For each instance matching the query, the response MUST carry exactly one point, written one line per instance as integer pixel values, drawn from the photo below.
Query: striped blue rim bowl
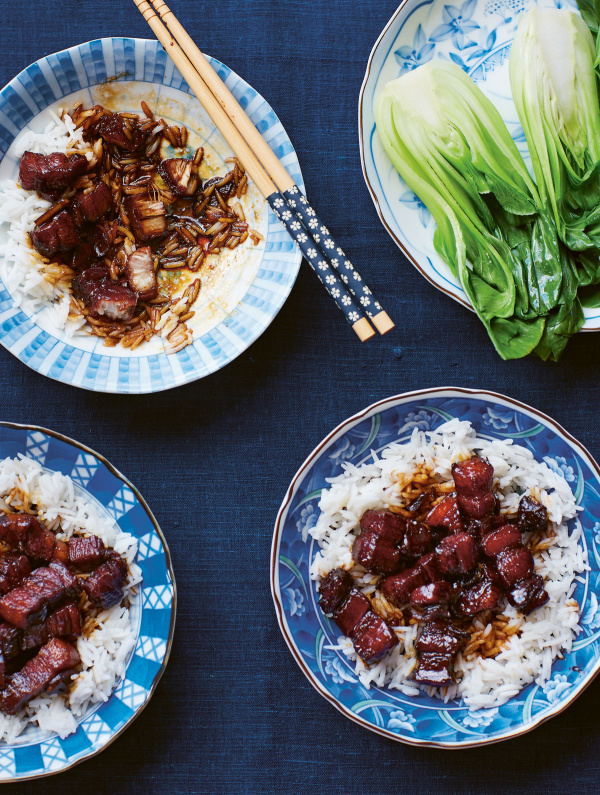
(36, 753)
(229, 316)
(311, 636)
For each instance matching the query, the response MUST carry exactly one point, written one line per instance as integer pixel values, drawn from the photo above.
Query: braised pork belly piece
(65, 621)
(25, 533)
(53, 665)
(13, 570)
(457, 559)
(104, 297)
(140, 274)
(56, 236)
(30, 602)
(105, 585)
(86, 552)
(50, 173)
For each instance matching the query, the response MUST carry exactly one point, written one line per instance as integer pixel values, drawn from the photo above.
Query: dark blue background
(233, 713)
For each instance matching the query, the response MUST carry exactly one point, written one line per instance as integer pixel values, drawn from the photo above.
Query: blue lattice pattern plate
(236, 303)
(36, 753)
(477, 36)
(424, 720)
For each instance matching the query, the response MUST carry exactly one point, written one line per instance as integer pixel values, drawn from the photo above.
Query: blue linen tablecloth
(233, 713)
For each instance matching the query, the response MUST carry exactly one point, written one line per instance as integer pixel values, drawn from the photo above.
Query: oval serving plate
(36, 753)
(424, 720)
(476, 35)
(237, 301)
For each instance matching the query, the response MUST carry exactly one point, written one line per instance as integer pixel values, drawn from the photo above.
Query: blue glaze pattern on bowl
(224, 326)
(477, 36)
(36, 753)
(424, 720)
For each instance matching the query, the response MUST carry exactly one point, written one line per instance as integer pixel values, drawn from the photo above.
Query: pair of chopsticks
(333, 268)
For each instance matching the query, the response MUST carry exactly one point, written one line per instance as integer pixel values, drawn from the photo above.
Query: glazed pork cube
(473, 479)
(86, 553)
(513, 565)
(434, 670)
(10, 641)
(30, 602)
(179, 175)
(446, 514)
(398, 587)
(93, 205)
(352, 611)
(147, 216)
(386, 524)
(428, 566)
(27, 534)
(440, 637)
(58, 234)
(528, 594)
(105, 585)
(457, 554)
(13, 569)
(418, 539)
(115, 130)
(82, 257)
(485, 595)
(532, 515)
(372, 638)
(62, 622)
(105, 298)
(334, 590)
(54, 663)
(505, 537)
(434, 593)
(50, 172)
(140, 274)
(376, 553)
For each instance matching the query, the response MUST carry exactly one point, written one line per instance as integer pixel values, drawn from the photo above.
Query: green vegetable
(555, 92)
(590, 11)
(452, 148)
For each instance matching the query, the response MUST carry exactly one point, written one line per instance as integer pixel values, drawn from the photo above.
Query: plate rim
(169, 564)
(361, 146)
(274, 577)
(244, 344)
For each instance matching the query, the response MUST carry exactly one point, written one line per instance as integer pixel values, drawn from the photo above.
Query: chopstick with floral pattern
(272, 180)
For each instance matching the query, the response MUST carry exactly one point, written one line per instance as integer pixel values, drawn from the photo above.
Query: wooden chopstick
(334, 285)
(381, 320)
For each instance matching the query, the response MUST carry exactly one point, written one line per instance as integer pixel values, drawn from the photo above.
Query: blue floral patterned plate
(424, 720)
(476, 35)
(236, 302)
(36, 753)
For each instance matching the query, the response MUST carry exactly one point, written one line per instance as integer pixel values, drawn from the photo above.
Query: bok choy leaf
(555, 92)
(451, 147)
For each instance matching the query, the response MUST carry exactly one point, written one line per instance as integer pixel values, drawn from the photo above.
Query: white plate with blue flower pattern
(476, 35)
(312, 637)
(233, 310)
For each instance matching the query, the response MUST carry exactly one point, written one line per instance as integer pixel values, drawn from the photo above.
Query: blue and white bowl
(424, 720)
(36, 753)
(476, 35)
(230, 314)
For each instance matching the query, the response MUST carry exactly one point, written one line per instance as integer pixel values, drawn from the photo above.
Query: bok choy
(554, 88)
(452, 148)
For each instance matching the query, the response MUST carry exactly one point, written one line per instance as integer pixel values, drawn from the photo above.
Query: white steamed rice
(105, 652)
(544, 634)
